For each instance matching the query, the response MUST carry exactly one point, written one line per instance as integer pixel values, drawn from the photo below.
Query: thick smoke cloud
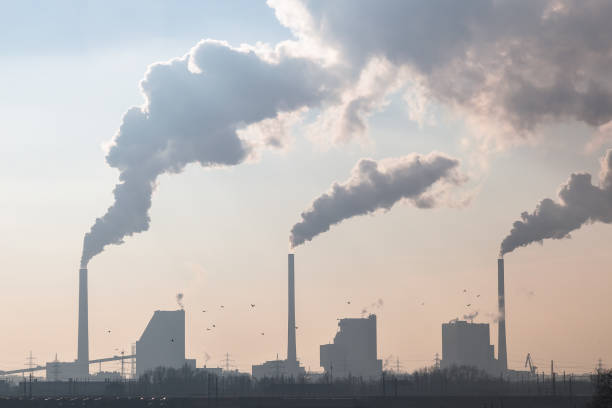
(194, 107)
(580, 202)
(374, 186)
(517, 64)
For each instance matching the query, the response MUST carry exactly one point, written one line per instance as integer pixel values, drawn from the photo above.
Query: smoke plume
(374, 186)
(470, 316)
(579, 203)
(179, 300)
(194, 107)
(512, 63)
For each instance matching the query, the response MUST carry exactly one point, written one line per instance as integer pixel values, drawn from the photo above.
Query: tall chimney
(83, 351)
(502, 355)
(291, 353)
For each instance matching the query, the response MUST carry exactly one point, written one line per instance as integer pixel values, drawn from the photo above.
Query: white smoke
(514, 64)
(580, 202)
(470, 316)
(194, 107)
(377, 186)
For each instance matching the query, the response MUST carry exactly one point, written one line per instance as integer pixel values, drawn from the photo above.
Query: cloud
(516, 64)
(579, 202)
(194, 108)
(377, 186)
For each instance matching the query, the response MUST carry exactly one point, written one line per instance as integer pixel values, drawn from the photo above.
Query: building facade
(467, 344)
(162, 343)
(354, 350)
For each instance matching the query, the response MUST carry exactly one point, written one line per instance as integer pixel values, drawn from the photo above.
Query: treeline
(189, 382)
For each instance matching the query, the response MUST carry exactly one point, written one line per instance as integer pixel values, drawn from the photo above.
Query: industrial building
(468, 344)
(163, 342)
(354, 350)
(291, 366)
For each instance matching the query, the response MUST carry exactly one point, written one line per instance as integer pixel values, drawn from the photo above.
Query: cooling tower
(291, 352)
(83, 340)
(502, 355)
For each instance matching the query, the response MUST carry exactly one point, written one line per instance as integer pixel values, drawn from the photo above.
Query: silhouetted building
(63, 371)
(162, 343)
(468, 344)
(353, 352)
(277, 369)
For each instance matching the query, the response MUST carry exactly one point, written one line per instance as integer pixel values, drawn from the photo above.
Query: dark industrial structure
(353, 352)
(291, 366)
(162, 344)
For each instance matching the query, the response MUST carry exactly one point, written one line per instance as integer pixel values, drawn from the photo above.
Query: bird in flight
(464, 290)
(208, 329)
(214, 325)
(172, 340)
(252, 304)
(348, 302)
(203, 311)
(221, 306)
(262, 333)
(108, 331)
(477, 295)
(469, 304)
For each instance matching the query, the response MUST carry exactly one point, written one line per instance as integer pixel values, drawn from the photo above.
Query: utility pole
(552, 376)
(122, 354)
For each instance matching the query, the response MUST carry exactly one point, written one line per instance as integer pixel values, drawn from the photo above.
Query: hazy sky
(69, 70)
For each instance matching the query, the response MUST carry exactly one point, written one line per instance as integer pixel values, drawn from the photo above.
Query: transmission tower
(30, 361)
(227, 362)
(437, 361)
(599, 365)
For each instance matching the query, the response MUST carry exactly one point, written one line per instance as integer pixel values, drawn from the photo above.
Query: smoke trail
(194, 107)
(179, 300)
(580, 202)
(373, 186)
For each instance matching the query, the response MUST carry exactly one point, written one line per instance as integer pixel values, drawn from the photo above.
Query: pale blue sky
(69, 71)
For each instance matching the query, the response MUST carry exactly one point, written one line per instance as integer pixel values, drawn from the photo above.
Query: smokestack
(291, 353)
(83, 351)
(502, 355)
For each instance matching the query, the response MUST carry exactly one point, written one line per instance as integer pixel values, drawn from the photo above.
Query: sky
(305, 91)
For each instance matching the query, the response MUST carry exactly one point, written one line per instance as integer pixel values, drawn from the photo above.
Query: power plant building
(354, 351)
(467, 344)
(162, 343)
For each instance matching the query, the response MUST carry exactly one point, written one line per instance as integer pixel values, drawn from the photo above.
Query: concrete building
(64, 371)
(354, 351)
(276, 369)
(291, 366)
(162, 343)
(467, 344)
